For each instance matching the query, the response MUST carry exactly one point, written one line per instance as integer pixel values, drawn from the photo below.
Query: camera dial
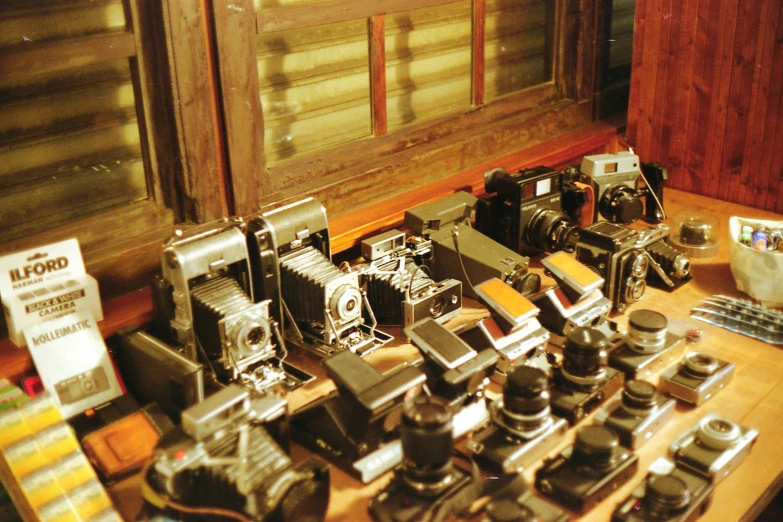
(639, 397)
(620, 204)
(427, 443)
(526, 399)
(584, 356)
(700, 365)
(595, 447)
(647, 331)
(718, 434)
(665, 496)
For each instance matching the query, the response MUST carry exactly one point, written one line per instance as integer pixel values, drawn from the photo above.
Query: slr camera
(636, 414)
(618, 195)
(399, 290)
(696, 378)
(289, 249)
(669, 493)
(205, 297)
(713, 448)
(588, 471)
(461, 252)
(427, 482)
(530, 210)
(522, 429)
(82, 386)
(356, 426)
(225, 457)
(583, 380)
(623, 258)
(647, 345)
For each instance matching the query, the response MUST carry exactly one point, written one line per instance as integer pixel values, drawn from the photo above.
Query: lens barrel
(427, 440)
(665, 496)
(639, 397)
(584, 355)
(621, 204)
(647, 331)
(595, 447)
(526, 398)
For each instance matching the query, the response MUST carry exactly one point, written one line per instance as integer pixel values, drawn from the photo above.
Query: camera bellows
(386, 290)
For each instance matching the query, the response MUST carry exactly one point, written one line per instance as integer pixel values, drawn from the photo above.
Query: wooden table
(754, 398)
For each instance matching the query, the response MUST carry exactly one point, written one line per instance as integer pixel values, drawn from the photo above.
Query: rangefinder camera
(669, 493)
(400, 291)
(529, 212)
(696, 378)
(323, 305)
(714, 447)
(647, 347)
(615, 181)
(81, 386)
(636, 413)
(225, 457)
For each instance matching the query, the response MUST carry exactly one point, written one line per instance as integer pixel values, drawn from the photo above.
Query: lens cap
(666, 494)
(526, 390)
(586, 339)
(639, 394)
(595, 446)
(647, 321)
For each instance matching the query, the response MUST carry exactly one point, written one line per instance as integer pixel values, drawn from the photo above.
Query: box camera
(353, 426)
(588, 471)
(636, 414)
(714, 447)
(522, 429)
(427, 481)
(81, 386)
(696, 378)
(530, 210)
(224, 457)
(399, 290)
(206, 298)
(668, 493)
(289, 249)
(623, 258)
(462, 252)
(647, 347)
(511, 330)
(583, 381)
(615, 181)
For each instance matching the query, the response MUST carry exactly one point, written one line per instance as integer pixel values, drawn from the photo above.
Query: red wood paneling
(707, 96)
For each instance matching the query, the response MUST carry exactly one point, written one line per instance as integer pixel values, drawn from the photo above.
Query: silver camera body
(400, 291)
(647, 346)
(289, 248)
(696, 378)
(609, 170)
(714, 447)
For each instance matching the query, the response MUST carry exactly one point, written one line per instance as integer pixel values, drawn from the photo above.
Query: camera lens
(639, 396)
(620, 204)
(526, 398)
(551, 231)
(665, 495)
(427, 442)
(249, 335)
(718, 433)
(584, 355)
(634, 289)
(595, 446)
(346, 303)
(436, 307)
(700, 364)
(640, 265)
(647, 330)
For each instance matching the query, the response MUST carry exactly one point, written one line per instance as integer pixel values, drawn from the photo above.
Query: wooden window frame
(362, 172)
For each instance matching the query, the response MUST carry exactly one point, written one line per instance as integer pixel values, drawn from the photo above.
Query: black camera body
(669, 493)
(647, 347)
(588, 471)
(696, 378)
(583, 381)
(530, 211)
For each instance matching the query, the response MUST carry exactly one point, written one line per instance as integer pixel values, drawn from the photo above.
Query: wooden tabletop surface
(754, 398)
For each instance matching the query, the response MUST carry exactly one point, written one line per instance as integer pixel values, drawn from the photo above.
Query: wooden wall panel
(707, 96)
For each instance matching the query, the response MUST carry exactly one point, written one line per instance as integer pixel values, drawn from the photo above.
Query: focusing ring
(700, 364)
(718, 433)
(639, 397)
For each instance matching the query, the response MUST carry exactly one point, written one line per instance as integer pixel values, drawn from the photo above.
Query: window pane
(621, 39)
(69, 140)
(428, 62)
(315, 87)
(519, 45)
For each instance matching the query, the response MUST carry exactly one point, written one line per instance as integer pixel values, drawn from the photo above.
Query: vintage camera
(588, 471)
(462, 252)
(615, 181)
(583, 381)
(647, 347)
(522, 429)
(714, 447)
(621, 256)
(524, 508)
(696, 378)
(206, 298)
(86, 384)
(399, 290)
(511, 330)
(224, 456)
(636, 414)
(355, 426)
(576, 300)
(290, 253)
(669, 493)
(427, 478)
(455, 372)
(530, 210)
